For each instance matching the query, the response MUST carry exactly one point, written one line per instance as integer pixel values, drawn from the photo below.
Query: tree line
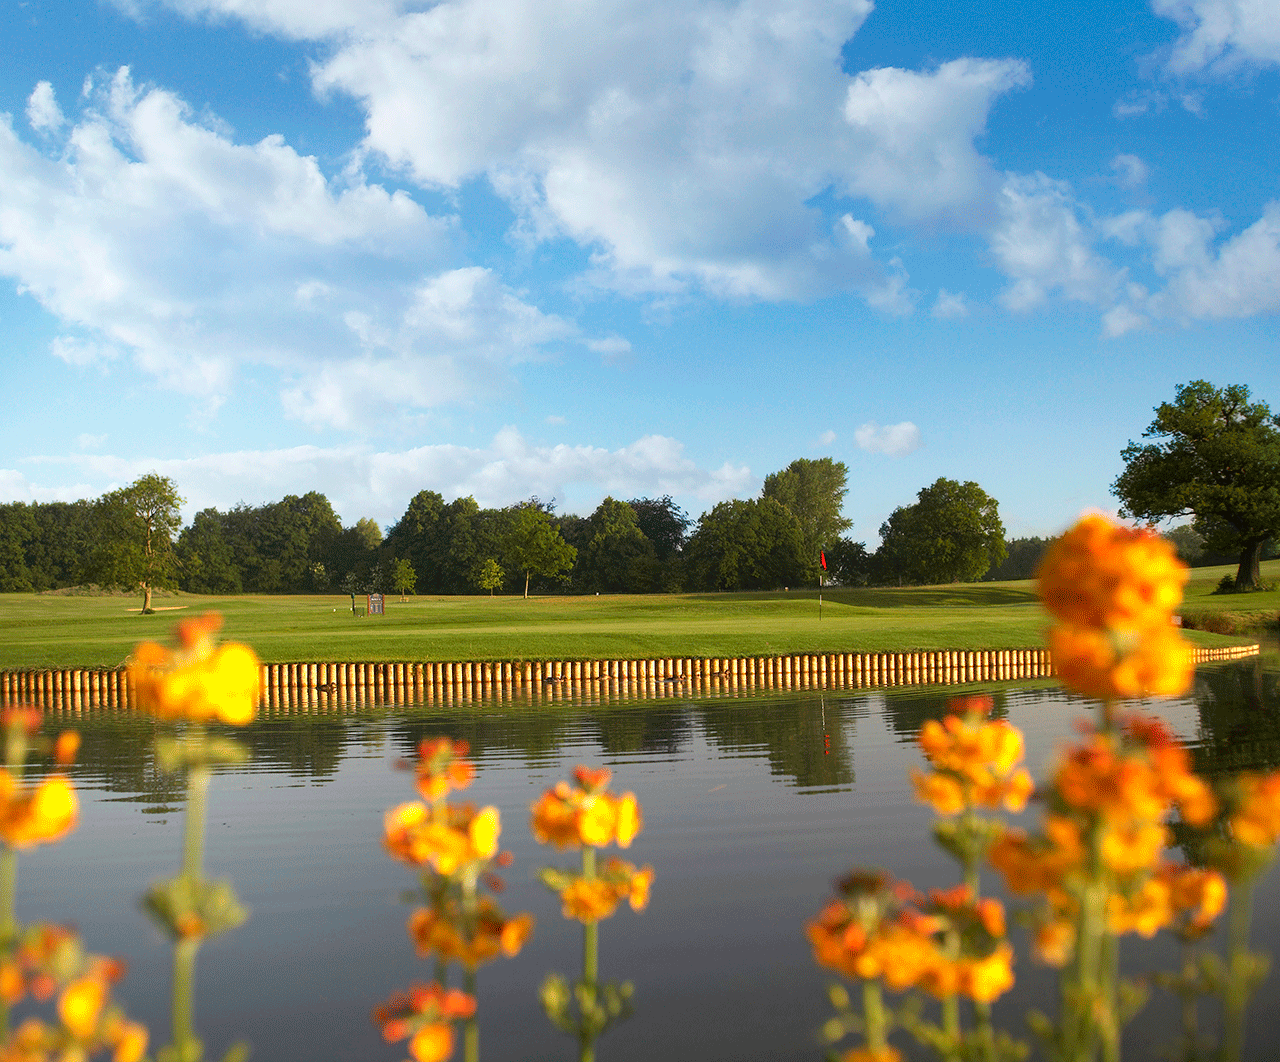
(1219, 462)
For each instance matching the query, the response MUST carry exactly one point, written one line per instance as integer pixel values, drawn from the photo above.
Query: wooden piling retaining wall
(330, 685)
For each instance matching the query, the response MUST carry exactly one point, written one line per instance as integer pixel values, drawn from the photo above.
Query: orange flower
(438, 931)
(986, 979)
(130, 1042)
(197, 681)
(1256, 822)
(973, 761)
(867, 1054)
(1101, 663)
(66, 747)
(432, 1043)
(443, 768)
(36, 817)
(457, 837)
(589, 900)
(569, 817)
(1102, 575)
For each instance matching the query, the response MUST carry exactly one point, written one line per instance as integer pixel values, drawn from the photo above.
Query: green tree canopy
(616, 556)
(1219, 461)
(208, 561)
(534, 545)
(136, 527)
(403, 577)
(951, 534)
(747, 545)
(813, 492)
(489, 577)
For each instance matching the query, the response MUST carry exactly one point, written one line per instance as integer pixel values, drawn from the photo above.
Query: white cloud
(76, 351)
(42, 109)
(913, 144)
(949, 305)
(1041, 244)
(1221, 35)
(896, 440)
(360, 481)
(1130, 170)
(612, 349)
(554, 419)
(86, 441)
(151, 234)
(827, 437)
(1240, 278)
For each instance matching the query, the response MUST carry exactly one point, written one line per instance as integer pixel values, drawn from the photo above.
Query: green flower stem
(951, 1005)
(15, 755)
(1239, 968)
(873, 1013)
(471, 1030)
(184, 981)
(193, 832)
(184, 951)
(8, 917)
(590, 969)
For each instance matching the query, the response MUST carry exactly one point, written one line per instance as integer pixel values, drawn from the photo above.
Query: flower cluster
(973, 761)
(442, 768)
(1255, 820)
(1117, 788)
(425, 1014)
(39, 815)
(1112, 591)
(596, 898)
(50, 957)
(199, 680)
(586, 814)
(448, 838)
(876, 930)
(436, 931)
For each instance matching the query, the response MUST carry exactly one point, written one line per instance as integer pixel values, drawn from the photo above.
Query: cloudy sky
(633, 247)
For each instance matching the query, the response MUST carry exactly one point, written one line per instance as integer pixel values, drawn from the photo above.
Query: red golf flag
(823, 554)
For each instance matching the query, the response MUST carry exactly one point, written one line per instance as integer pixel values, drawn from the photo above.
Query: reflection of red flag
(823, 554)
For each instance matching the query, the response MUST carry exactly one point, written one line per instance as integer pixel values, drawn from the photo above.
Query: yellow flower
(587, 814)
(36, 817)
(985, 980)
(80, 1005)
(131, 1043)
(630, 821)
(867, 1054)
(940, 791)
(973, 761)
(484, 831)
(432, 1043)
(198, 681)
(639, 887)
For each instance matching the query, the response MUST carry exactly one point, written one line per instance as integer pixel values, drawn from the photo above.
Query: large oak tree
(136, 527)
(1219, 460)
(951, 534)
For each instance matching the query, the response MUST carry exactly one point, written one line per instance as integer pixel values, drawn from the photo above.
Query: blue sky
(564, 248)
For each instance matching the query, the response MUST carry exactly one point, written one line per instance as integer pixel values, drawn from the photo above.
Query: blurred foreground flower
(1112, 590)
(456, 848)
(588, 816)
(199, 680)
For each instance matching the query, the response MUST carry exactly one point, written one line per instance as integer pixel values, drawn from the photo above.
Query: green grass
(50, 630)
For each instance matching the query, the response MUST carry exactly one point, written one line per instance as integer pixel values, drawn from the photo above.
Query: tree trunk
(1249, 574)
(526, 585)
(146, 599)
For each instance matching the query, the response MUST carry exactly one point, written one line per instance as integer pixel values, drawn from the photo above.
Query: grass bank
(65, 630)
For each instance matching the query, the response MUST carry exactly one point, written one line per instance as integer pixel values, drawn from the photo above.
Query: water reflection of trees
(802, 739)
(1239, 705)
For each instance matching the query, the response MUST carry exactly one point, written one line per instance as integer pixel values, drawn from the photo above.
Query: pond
(752, 807)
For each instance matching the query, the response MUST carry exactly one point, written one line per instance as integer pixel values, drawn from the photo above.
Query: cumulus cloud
(913, 143)
(1221, 35)
(151, 234)
(1043, 246)
(1130, 170)
(827, 437)
(360, 481)
(43, 111)
(949, 305)
(896, 440)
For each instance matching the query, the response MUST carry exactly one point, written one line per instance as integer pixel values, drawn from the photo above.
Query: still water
(752, 806)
